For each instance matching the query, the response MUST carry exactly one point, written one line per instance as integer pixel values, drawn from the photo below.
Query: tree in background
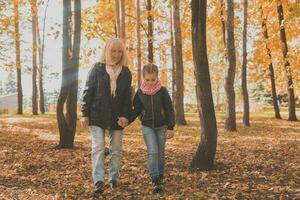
(288, 70)
(150, 36)
(271, 69)
(179, 104)
(34, 18)
(230, 122)
(246, 114)
(204, 157)
(18, 57)
(69, 86)
(138, 36)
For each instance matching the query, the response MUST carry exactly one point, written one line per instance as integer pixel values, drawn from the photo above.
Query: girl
(153, 103)
(106, 104)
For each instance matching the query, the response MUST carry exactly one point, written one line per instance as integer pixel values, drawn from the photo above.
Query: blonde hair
(150, 68)
(106, 53)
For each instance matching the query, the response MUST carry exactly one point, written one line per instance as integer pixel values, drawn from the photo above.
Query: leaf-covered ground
(260, 162)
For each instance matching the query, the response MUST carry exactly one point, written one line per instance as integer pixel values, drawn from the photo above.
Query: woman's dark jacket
(155, 110)
(98, 104)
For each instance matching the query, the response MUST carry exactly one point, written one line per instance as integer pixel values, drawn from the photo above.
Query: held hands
(84, 121)
(169, 134)
(123, 122)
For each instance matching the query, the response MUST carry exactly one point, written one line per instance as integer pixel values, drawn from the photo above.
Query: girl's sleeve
(88, 92)
(169, 110)
(137, 108)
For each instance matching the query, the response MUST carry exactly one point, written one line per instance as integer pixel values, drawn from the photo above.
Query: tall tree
(172, 57)
(34, 56)
(18, 55)
(230, 122)
(120, 18)
(41, 45)
(222, 15)
(150, 32)
(179, 106)
(204, 157)
(271, 69)
(246, 114)
(288, 71)
(138, 35)
(69, 86)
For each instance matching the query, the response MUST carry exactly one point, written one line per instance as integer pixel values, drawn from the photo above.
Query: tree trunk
(18, 59)
(179, 105)
(150, 32)
(118, 22)
(163, 59)
(246, 114)
(222, 8)
(230, 122)
(172, 57)
(288, 71)
(34, 56)
(271, 69)
(40, 70)
(69, 88)
(122, 16)
(204, 157)
(138, 33)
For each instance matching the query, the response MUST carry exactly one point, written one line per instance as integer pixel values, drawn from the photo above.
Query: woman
(107, 102)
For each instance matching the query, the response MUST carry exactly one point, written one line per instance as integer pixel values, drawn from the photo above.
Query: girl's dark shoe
(161, 179)
(113, 184)
(99, 187)
(156, 186)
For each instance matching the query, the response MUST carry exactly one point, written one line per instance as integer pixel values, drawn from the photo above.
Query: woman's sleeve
(169, 110)
(88, 92)
(127, 101)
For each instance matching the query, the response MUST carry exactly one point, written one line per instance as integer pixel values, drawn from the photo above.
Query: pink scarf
(150, 90)
(113, 72)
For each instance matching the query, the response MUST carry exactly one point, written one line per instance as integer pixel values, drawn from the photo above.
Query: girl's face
(116, 53)
(150, 79)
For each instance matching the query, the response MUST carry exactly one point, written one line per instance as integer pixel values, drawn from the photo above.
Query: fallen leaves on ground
(260, 162)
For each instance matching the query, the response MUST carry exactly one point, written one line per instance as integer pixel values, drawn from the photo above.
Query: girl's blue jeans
(155, 140)
(98, 149)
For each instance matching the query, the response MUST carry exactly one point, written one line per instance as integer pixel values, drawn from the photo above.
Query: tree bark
(204, 157)
(172, 57)
(222, 8)
(230, 122)
(122, 16)
(34, 56)
(179, 105)
(138, 33)
(118, 20)
(271, 69)
(69, 88)
(246, 114)
(18, 58)
(150, 32)
(288, 71)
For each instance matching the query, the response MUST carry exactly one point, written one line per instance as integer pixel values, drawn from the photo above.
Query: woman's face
(116, 53)
(150, 79)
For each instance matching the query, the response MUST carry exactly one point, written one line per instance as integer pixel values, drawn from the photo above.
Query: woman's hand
(169, 134)
(84, 121)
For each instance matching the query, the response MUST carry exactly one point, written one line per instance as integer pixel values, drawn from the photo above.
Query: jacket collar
(106, 76)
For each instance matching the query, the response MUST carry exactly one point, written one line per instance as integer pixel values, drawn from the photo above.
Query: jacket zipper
(152, 111)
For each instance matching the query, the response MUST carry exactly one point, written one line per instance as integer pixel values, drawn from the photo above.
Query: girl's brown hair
(150, 68)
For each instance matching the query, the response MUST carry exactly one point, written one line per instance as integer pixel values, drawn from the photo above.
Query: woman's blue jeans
(98, 149)
(155, 140)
